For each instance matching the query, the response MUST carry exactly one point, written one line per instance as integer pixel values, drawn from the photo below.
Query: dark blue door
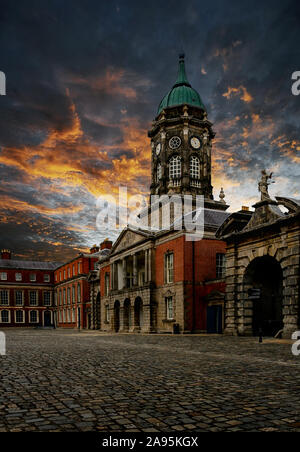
(214, 319)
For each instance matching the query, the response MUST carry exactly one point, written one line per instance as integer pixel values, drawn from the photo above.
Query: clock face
(174, 142)
(195, 142)
(158, 148)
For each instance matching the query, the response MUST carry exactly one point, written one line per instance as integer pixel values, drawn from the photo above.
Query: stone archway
(126, 315)
(116, 324)
(263, 295)
(138, 314)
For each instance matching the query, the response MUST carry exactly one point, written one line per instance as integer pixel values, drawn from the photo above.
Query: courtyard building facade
(163, 280)
(73, 292)
(26, 292)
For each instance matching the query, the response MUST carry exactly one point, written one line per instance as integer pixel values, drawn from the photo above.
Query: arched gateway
(263, 284)
(263, 266)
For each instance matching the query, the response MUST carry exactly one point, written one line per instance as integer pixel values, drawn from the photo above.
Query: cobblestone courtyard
(78, 381)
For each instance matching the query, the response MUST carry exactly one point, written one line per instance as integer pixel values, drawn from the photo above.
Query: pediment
(129, 238)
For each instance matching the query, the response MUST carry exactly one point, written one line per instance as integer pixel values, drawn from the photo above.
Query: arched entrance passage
(126, 318)
(263, 286)
(138, 313)
(116, 316)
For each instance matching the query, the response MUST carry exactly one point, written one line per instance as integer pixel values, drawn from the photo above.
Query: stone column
(124, 273)
(121, 319)
(146, 266)
(230, 296)
(150, 265)
(135, 272)
(132, 322)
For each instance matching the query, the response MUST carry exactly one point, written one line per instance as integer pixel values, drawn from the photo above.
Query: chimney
(245, 208)
(94, 249)
(5, 254)
(106, 244)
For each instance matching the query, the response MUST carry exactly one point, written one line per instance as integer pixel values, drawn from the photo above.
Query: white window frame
(220, 265)
(50, 297)
(46, 277)
(175, 167)
(169, 267)
(169, 308)
(32, 277)
(7, 297)
(18, 276)
(23, 316)
(36, 298)
(195, 167)
(37, 316)
(3, 276)
(9, 317)
(22, 292)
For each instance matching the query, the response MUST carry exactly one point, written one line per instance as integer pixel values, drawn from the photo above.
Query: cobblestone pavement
(80, 381)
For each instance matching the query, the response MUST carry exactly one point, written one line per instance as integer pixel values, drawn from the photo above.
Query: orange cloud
(240, 91)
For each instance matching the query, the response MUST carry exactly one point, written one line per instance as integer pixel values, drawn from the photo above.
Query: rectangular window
(73, 294)
(3, 276)
(4, 298)
(69, 295)
(106, 291)
(73, 270)
(18, 276)
(78, 294)
(33, 298)
(5, 317)
(19, 297)
(46, 278)
(33, 317)
(69, 273)
(169, 308)
(169, 268)
(220, 265)
(78, 267)
(60, 297)
(64, 274)
(60, 276)
(47, 298)
(64, 296)
(19, 317)
(32, 277)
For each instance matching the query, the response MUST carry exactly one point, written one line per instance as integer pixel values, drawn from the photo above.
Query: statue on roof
(263, 185)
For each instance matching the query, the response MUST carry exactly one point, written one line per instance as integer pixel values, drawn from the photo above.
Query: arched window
(195, 167)
(175, 167)
(158, 172)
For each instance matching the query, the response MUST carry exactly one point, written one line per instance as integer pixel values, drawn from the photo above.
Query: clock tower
(181, 143)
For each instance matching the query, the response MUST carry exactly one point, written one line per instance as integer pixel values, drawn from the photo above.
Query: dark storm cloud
(84, 79)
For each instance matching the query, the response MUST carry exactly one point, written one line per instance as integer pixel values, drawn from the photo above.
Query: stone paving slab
(65, 380)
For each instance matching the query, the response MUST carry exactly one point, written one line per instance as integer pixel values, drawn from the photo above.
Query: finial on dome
(181, 56)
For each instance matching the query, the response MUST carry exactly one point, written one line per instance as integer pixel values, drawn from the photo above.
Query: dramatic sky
(84, 79)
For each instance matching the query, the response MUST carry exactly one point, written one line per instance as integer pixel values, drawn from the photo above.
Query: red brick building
(72, 290)
(26, 292)
(165, 281)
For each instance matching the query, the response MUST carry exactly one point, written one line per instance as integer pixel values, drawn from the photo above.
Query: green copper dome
(182, 92)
